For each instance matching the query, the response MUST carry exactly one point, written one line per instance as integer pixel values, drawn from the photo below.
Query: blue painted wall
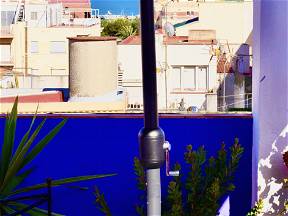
(108, 145)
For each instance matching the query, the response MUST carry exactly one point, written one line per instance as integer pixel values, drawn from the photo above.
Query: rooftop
(92, 38)
(174, 40)
(72, 3)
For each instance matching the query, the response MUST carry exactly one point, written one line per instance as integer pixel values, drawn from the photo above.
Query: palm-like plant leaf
(33, 212)
(26, 136)
(17, 161)
(15, 181)
(41, 145)
(13, 164)
(8, 144)
(59, 182)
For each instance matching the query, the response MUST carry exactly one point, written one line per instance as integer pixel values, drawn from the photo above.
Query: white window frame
(5, 53)
(57, 49)
(33, 15)
(207, 78)
(34, 47)
(195, 86)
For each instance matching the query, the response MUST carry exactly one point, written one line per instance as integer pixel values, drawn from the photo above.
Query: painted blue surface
(117, 7)
(108, 145)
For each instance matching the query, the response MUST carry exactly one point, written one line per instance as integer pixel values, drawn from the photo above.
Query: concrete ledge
(65, 107)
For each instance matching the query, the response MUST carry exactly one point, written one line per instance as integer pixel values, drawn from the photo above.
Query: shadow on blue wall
(108, 145)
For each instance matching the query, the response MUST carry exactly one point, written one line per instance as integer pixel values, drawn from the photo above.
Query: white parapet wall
(270, 103)
(66, 107)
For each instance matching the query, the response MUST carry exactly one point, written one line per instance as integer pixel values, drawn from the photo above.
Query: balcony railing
(5, 32)
(6, 63)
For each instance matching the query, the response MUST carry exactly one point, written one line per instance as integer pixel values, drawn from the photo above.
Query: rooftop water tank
(92, 66)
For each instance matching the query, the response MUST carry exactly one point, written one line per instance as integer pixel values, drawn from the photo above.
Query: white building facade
(187, 82)
(34, 44)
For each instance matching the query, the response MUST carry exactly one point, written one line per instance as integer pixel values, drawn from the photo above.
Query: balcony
(74, 17)
(5, 33)
(6, 63)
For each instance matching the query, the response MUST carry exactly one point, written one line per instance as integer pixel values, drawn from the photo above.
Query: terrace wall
(102, 144)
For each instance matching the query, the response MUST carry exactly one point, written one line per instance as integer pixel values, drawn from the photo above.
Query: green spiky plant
(257, 209)
(141, 185)
(207, 182)
(15, 158)
(101, 202)
(174, 201)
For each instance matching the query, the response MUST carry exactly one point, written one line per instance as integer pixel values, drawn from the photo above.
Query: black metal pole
(149, 64)
(151, 137)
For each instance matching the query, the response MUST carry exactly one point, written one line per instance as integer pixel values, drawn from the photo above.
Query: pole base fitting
(152, 154)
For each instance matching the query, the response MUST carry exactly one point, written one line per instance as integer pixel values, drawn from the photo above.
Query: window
(33, 16)
(34, 71)
(7, 18)
(201, 75)
(57, 47)
(34, 47)
(87, 15)
(5, 52)
(188, 78)
(175, 79)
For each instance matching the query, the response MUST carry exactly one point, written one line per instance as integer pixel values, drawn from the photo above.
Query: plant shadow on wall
(272, 174)
(258, 209)
(15, 161)
(207, 182)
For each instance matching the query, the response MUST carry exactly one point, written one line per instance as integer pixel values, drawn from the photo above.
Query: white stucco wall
(223, 17)
(270, 103)
(129, 57)
(44, 61)
(188, 54)
(47, 14)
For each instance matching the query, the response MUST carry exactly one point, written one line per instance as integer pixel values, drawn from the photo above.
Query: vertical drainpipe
(151, 137)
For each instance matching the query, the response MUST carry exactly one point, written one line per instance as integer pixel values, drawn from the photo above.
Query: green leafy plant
(101, 202)
(206, 183)
(14, 161)
(174, 201)
(121, 28)
(141, 185)
(257, 209)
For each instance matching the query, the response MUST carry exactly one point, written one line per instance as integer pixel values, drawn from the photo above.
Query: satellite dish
(169, 29)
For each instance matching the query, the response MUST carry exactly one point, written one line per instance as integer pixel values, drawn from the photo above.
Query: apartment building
(34, 44)
(234, 52)
(186, 73)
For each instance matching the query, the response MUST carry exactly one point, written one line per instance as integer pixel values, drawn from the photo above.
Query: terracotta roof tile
(132, 40)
